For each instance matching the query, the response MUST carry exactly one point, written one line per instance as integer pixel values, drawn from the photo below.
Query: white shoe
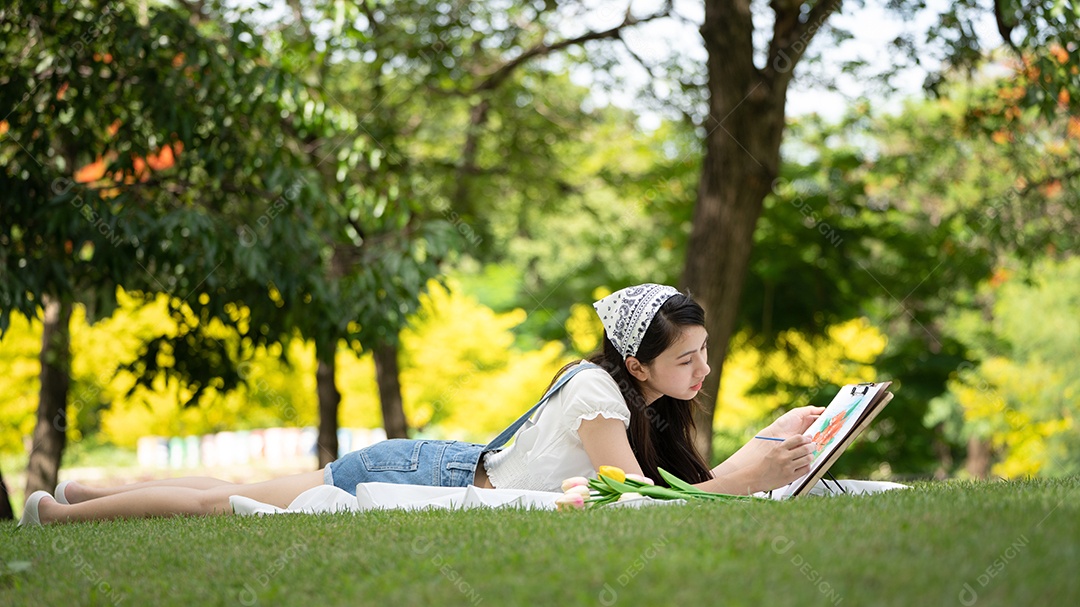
(59, 495)
(30, 517)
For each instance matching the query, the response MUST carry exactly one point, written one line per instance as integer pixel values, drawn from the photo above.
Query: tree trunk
(742, 159)
(329, 399)
(6, 513)
(50, 433)
(943, 452)
(979, 454)
(387, 378)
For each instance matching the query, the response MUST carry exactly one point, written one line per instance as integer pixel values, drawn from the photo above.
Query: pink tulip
(574, 481)
(630, 495)
(641, 479)
(581, 490)
(570, 501)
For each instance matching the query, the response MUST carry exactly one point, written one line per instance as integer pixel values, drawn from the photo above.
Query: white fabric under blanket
(373, 496)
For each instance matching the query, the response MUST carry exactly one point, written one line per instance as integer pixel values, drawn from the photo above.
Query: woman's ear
(638, 370)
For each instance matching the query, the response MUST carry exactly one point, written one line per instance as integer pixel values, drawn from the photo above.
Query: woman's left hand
(793, 422)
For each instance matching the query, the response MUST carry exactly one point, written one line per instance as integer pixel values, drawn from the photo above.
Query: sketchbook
(849, 413)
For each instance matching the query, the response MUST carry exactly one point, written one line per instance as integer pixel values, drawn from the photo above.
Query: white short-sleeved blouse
(547, 450)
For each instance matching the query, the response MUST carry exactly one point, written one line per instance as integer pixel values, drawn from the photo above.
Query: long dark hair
(662, 433)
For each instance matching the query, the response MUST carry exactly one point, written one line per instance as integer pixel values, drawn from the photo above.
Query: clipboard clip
(865, 388)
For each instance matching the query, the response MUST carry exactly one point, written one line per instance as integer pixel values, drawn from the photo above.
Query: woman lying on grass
(629, 405)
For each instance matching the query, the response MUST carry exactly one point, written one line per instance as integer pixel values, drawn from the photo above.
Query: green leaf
(662, 493)
(676, 482)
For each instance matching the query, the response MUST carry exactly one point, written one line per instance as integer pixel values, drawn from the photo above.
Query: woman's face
(679, 371)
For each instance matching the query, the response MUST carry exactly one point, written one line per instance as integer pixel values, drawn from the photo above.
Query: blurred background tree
(454, 111)
(132, 157)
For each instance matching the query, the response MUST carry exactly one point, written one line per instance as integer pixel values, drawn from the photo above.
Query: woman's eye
(686, 363)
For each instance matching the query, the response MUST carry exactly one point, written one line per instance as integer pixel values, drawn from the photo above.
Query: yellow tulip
(614, 473)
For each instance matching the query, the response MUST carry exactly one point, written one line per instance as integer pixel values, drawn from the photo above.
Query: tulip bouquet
(614, 485)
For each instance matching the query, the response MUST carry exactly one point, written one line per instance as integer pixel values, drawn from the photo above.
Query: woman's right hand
(784, 462)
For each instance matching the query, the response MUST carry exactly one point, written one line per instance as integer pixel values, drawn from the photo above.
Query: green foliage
(244, 225)
(474, 129)
(1021, 391)
(1043, 34)
(900, 218)
(623, 219)
(137, 157)
(461, 131)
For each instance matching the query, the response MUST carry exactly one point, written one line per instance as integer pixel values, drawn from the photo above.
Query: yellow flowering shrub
(1020, 390)
(584, 328)
(459, 371)
(845, 354)
(1021, 409)
(19, 372)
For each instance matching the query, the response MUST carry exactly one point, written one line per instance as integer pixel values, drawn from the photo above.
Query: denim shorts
(435, 463)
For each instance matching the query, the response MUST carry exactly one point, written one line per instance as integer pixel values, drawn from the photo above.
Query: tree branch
(653, 78)
(504, 71)
(791, 35)
(1004, 28)
(478, 115)
(641, 61)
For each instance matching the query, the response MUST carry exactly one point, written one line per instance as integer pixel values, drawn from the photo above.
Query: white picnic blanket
(373, 496)
(843, 487)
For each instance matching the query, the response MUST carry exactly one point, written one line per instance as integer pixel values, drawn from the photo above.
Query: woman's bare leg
(171, 500)
(77, 492)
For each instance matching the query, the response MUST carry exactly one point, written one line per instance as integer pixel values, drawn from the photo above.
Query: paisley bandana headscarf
(626, 314)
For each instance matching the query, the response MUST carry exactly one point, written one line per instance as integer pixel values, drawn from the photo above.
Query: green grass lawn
(937, 544)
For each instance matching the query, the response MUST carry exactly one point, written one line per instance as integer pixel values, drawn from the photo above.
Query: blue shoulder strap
(505, 436)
